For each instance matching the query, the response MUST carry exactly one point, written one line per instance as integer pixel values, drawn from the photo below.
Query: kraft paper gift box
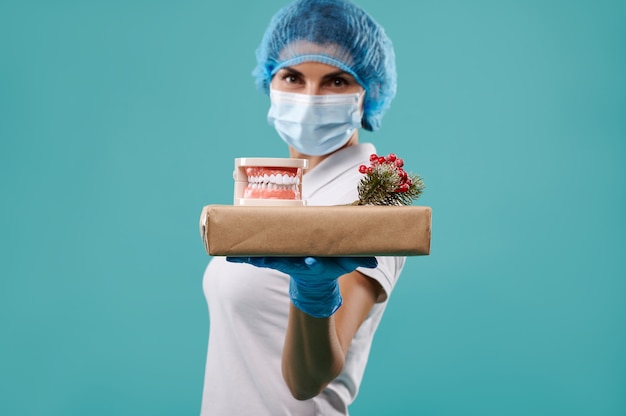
(232, 230)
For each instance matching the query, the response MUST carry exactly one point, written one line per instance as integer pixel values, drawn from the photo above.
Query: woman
(291, 336)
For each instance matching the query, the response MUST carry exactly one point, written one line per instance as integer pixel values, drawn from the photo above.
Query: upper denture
(283, 176)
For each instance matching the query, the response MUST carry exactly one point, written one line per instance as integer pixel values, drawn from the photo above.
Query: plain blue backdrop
(120, 119)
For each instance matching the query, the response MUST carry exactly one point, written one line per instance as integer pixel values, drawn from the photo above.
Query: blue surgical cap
(337, 33)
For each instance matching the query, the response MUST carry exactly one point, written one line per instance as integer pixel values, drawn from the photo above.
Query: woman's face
(315, 78)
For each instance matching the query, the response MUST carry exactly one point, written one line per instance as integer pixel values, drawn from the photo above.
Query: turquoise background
(119, 120)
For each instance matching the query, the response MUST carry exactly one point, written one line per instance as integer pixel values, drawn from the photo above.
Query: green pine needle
(379, 187)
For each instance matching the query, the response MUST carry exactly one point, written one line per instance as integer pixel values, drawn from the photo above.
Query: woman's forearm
(312, 355)
(315, 348)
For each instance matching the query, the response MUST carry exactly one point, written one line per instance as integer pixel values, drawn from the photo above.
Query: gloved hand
(313, 287)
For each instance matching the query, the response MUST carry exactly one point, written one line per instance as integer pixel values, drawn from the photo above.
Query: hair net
(334, 32)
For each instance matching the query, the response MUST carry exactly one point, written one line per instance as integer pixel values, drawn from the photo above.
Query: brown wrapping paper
(316, 231)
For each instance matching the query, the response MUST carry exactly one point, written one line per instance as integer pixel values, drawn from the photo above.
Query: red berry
(370, 170)
(399, 163)
(391, 157)
(381, 159)
(363, 169)
(373, 157)
(403, 188)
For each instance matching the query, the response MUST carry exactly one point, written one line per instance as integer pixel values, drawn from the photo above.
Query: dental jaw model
(269, 181)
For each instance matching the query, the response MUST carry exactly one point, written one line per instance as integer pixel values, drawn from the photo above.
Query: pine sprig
(387, 183)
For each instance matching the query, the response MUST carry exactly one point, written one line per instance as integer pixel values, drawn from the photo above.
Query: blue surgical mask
(315, 125)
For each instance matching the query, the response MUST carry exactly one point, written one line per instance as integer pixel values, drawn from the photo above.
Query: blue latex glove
(313, 286)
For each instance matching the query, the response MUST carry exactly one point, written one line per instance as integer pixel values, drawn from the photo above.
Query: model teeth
(272, 186)
(277, 179)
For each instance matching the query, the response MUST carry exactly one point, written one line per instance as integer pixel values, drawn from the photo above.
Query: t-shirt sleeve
(386, 273)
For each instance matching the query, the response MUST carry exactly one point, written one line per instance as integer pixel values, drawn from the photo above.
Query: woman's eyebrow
(338, 74)
(291, 70)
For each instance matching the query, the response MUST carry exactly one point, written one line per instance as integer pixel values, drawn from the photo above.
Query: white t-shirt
(248, 310)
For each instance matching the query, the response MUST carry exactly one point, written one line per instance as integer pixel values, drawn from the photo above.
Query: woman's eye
(339, 82)
(290, 78)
